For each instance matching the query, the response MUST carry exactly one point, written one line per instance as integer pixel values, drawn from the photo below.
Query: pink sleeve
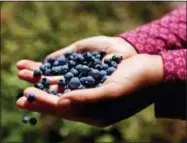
(174, 62)
(164, 36)
(168, 32)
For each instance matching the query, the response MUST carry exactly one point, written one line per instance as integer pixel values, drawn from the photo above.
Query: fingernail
(65, 102)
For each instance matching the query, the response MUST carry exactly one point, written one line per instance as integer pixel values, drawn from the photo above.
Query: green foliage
(32, 30)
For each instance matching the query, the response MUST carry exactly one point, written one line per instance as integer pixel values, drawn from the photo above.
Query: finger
(35, 106)
(28, 76)
(28, 64)
(106, 92)
(42, 96)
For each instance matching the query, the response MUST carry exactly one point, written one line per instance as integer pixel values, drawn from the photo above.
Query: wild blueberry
(83, 80)
(68, 76)
(84, 69)
(56, 70)
(107, 61)
(67, 90)
(37, 73)
(39, 86)
(47, 72)
(79, 67)
(72, 63)
(42, 68)
(47, 65)
(117, 58)
(102, 73)
(31, 97)
(88, 56)
(104, 78)
(102, 53)
(110, 70)
(79, 58)
(33, 121)
(81, 87)
(52, 91)
(62, 82)
(51, 60)
(74, 72)
(98, 56)
(104, 66)
(90, 81)
(45, 81)
(68, 53)
(94, 73)
(25, 119)
(56, 63)
(113, 63)
(74, 83)
(62, 60)
(98, 66)
(64, 69)
(97, 61)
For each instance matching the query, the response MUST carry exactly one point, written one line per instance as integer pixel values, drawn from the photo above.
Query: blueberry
(31, 97)
(25, 119)
(110, 70)
(72, 63)
(64, 69)
(67, 90)
(102, 53)
(47, 72)
(37, 73)
(51, 60)
(113, 64)
(79, 58)
(56, 63)
(84, 69)
(62, 82)
(39, 86)
(33, 121)
(68, 76)
(74, 83)
(52, 91)
(94, 73)
(98, 56)
(107, 61)
(104, 78)
(83, 80)
(98, 66)
(74, 72)
(94, 53)
(97, 61)
(62, 60)
(47, 65)
(45, 81)
(81, 87)
(67, 54)
(56, 70)
(117, 58)
(72, 57)
(88, 56)
(99, 85)
(42, 68)
(79, 67)
(104, 66)
(90, 81)
(102, 73)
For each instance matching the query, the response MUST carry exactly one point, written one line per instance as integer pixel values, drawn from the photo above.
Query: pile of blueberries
(79, 70)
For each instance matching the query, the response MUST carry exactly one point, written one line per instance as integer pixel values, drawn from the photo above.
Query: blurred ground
(34, 29)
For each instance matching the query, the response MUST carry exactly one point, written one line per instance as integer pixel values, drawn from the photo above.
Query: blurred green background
(34, 29)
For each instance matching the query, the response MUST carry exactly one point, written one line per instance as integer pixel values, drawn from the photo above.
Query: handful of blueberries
(79, 70)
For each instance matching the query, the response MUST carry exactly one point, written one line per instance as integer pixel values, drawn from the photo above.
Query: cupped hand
(111, 45)
(107, 104)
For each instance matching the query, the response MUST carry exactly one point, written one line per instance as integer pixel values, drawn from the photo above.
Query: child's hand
(103, 105)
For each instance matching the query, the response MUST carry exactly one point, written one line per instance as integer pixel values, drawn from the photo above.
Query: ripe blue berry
(83, 80)
(67, 90)
(94, 73)
(25, 119)
(33, 121)
(37, 73)
(68, 76)
(56, 70)
(47, 65)
(88, 56)
(31, 97)
(84, 69)
(81, 87)
(52, 91)
(67, 54)
(48, 72)
(79, 67)
(90, 81)
(74, 83)
(110, 70)
(102, 73)
(104, 78)
(102, 53)
(97, 61)
(39, 86)
(117, 58)
(64, 69)
(98, 66)
(104, 66)
(74, 72)
(62, 82)
(79, 58)
(62, 60)
(45, 81)
(72, 63)
(51, 60)
(42, 68)
(56, 63)
(113, 64)
(107, 61)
